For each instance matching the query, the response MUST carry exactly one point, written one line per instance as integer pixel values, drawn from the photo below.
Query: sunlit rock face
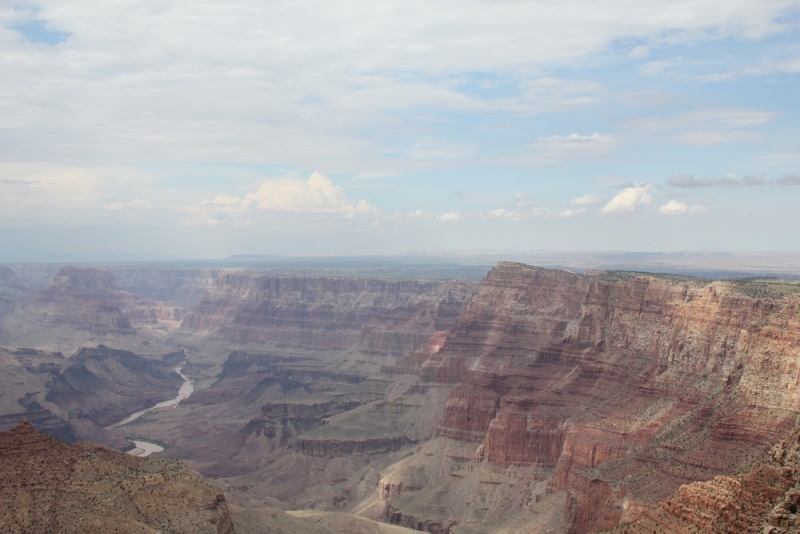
(624, 385)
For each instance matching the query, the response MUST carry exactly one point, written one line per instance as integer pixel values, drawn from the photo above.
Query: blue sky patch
(36, 31)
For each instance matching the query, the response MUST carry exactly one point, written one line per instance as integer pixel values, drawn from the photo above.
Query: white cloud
(437, 149)
(450, 216)
(66, 194)
(577, 143)
(629, 199)
(523, 210)
(278, 82)
(318, 194)
(708, 71)
(715, 137)
(135, 204)
(225, 200)
(673, 207)
(588, 200)
(718, 117)
(572, 213)
(639, 52)
(502, 213)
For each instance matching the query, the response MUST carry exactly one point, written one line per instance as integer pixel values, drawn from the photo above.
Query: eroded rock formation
(74, 398)
(624, 385)
(370, 316)
(104, 385)
(85, 306)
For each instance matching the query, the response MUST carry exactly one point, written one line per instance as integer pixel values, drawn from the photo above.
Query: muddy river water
(145, 448)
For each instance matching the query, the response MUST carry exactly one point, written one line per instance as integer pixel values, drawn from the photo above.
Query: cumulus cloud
(730, 180)
(673, 207)
(639, 52)
(572, 213)
(450, 216)
(318, 194)
(629, 199)
(588, 200)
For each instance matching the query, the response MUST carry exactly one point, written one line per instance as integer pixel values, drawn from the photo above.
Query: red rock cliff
(628, 385)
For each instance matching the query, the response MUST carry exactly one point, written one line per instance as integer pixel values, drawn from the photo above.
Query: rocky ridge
(48, 486)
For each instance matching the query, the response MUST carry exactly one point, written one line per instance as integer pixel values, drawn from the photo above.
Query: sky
(144, 129)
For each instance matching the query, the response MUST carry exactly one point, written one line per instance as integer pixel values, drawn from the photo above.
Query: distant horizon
(693, 263)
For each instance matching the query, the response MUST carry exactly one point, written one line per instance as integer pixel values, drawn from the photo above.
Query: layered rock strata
(624, 385)
(763, 500)
(104, 385)
(83, 306)
(73, 398)
(324, 314)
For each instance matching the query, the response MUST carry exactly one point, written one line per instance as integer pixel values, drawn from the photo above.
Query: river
(145, 448)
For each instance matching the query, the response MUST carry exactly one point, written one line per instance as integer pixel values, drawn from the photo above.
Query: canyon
(534, 400)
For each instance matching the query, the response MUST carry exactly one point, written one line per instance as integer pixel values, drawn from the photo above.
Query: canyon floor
(335, 400)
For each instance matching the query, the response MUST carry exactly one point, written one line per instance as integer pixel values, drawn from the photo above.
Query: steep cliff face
(105, 385)
(73, 399)
(82, 306)
(12, 290)
(80, 299)
(179, 286)
(49, 486)
(319, 313)
(625, 385)
(764, 499)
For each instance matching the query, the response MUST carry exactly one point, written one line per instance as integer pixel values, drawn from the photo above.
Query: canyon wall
(105, 385)
(86, 306)
(182, 287)
(369, 316)
(73, 399)
(622, 385)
